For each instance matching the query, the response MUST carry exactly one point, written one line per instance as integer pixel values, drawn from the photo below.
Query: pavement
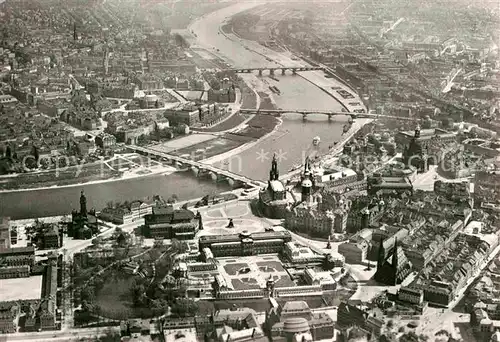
(73, 335)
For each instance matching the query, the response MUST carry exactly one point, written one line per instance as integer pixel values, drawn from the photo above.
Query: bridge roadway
(305, 113)
(283, 69)
(200, 166)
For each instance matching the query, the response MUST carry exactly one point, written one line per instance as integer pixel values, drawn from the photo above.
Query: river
(291, 141)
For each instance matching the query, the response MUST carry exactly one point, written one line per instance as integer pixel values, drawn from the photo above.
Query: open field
(182, 143)
(232, 122)
(21, 288)
(210, 148)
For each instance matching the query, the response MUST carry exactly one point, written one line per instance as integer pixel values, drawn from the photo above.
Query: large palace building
(245, 244)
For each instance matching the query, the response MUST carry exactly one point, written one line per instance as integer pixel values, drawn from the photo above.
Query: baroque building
(84, 223)
(272, 200)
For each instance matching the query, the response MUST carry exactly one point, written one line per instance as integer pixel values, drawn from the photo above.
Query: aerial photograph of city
(250, 170)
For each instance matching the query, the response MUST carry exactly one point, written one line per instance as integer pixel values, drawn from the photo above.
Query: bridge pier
(231, 182)
(195, 171)
(178, 165)
(294, 71)
(304, 117)
(330, 116)
(271, 71)
(283, 71)
(260, 72)
(213, 175)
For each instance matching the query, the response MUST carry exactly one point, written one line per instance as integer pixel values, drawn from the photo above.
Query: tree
(179, 246)
(138, 292)
(159, 307)
(87, 294)
(35, 153)
(409, 337)
(184, 307)
(121, 240)
(142, 139)
(215, 84)
(8, 152)
(30, 162)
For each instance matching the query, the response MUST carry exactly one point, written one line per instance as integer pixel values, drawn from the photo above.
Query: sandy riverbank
(128, 175)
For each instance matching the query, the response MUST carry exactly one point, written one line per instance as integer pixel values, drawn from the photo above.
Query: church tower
(395, 255)
(273, 173)
(417, 132)
(306, 184)
(381, 254)
(83, 204)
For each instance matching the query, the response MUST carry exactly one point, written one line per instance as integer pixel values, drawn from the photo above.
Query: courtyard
(21, 288)
(253, 272)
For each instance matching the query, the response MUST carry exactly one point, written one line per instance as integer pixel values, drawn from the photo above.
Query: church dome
(306, 183)
(295, 325)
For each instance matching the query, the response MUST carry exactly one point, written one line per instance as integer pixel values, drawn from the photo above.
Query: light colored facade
(301, 255)
(310, 221)
(356, 249)
(5, 232)
(127, 214)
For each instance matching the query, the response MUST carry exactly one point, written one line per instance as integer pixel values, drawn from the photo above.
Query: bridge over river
(272, 70)
(330, 114)
(199, 168)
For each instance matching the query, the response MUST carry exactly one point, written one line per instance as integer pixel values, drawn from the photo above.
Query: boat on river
(275, 90)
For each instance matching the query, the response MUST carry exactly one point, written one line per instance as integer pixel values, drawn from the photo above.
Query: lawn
(271, 264)
(284, 281)
(236, 210)
(245, 284)
(267, 269)
(232, 269)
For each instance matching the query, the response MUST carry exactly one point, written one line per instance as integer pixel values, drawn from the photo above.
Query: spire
(381, 254)
(83, 204)
(395, 255)
(274, 174)
(307, 168)
(75, 36)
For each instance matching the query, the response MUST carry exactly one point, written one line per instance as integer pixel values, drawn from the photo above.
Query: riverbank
(127, 175)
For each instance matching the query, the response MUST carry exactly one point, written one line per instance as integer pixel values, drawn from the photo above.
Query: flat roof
(21, 288)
